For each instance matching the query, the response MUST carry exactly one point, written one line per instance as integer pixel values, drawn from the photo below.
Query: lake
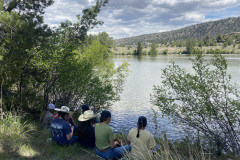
(145, 72)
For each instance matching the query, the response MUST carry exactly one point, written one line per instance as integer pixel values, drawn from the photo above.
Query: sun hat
(105, 114)
(51, 106)
(86, 116)
(85, 107)
(64, 109)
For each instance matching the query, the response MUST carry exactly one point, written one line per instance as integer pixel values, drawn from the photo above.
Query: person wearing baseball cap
(61, 130)
(105, 145)
(47, 116)
(85, 107)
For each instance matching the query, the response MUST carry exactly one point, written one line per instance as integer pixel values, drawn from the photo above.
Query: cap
(105, 114)
(51, 106)
(85, 107)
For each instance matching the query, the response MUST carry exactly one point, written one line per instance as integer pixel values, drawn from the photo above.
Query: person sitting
(85, 107)
(69, 120)
(142, 141)
(105, 145)
(47, 116)
(62, 131)
(85, 131)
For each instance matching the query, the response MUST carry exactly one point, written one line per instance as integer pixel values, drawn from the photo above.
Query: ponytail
(142, 122)
(138, 130)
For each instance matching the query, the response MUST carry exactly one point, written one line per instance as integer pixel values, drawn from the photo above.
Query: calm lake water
(145, 72)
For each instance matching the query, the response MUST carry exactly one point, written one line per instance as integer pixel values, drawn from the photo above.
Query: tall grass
(169, 150)
(20, 139)
(13, 134)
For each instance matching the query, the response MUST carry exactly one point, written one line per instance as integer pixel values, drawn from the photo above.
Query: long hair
(142, 122)
(84, 128)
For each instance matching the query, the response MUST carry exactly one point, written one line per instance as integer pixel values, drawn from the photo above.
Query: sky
(127, 18)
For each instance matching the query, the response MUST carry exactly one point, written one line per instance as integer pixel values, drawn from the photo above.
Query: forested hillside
(197, 31)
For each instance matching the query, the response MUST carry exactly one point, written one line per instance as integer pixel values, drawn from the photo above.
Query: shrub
(204, 101)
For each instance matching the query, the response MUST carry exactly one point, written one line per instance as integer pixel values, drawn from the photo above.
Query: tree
(105, 40)
(165, 51)
(220, 38)
(63, 65)
(153, 49)
(229, 40)
(22, 34)
(190, 46)
(139, 48)
(204, 101)
(200, 43)
(207, 40)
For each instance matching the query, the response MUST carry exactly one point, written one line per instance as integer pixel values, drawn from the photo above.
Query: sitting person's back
(47, 116)
(105, 146)
(62, 132)
(142, 141)
(85, 131)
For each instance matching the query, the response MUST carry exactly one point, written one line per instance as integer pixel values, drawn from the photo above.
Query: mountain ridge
(198, 31)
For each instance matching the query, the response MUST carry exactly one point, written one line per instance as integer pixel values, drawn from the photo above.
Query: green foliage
(22, 34)
(63, 65)
(200, 43)
(190, 46)
(165, 51)
(220, 38)
(207, 40)
(203, 102)
(218, 51)
(139, 48)
(153, 49)
(197, 51)
(129, 47)
(228, 40)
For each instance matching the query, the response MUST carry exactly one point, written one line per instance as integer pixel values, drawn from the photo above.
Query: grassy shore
(175, 50)
(24, 139)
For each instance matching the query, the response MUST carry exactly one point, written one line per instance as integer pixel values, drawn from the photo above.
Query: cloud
(127, 18)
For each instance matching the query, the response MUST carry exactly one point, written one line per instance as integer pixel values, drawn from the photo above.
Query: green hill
(198, 31)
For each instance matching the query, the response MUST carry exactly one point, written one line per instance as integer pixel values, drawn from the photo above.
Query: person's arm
(113, 144)
(69, 136)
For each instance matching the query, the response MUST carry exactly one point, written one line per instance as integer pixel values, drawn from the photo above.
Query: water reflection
(145, 72)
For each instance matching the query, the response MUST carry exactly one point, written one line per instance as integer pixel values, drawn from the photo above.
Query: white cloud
(125, 18)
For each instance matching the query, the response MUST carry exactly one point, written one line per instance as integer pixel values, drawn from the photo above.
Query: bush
(204, 102)
(218, 51)
(165, 51)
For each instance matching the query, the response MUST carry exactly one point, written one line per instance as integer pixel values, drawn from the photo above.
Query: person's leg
(119, 151)
(101, 154)
(75, 129)
(74, 139)
(110, 154)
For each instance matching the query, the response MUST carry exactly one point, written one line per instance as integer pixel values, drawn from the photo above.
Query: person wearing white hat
(85, 132)
(47, 116)
(62, 131)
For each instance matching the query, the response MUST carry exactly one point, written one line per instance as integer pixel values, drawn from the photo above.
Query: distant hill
(198, 31)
